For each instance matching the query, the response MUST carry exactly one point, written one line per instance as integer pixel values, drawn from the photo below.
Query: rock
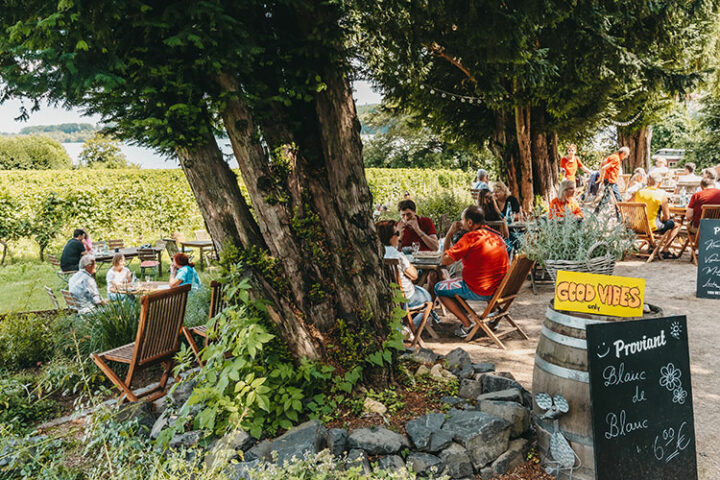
(424, 463)
(484, 367)
(513, 456)
(457, 359)
(358, 458)
(425, 355)
(465, 372)
(15, 450)
(484, 436)
(426, 434)
(494, 383)
(241, 471)
(391, 463)
(437, 371)
(187, 439)
(422, 370)
(136, 411)
(228, 446)
(457, 461)
(513, 412)
(337, 439)
(259, 451)
(160, 405)
(180, 392)
(309, 437)
(452, 400)
(377, 441)
(505, 374)
(163, 421)
(469, 389)
(509, 395)
(373, 406)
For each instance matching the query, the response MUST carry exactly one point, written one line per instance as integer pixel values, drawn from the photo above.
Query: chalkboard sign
(708, 274)
(641, 400)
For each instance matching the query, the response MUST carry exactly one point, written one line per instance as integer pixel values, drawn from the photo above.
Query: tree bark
(638, 140)
(524, 171)
(543, 159)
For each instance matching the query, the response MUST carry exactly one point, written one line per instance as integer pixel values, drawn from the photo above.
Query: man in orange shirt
(485, 263)
(609, 174)
(571, 163)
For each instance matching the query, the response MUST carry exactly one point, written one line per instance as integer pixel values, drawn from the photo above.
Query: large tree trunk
(543, 157)
(524, 170)
(638, 140)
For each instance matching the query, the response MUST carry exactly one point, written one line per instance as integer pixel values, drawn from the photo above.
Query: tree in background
(47, 221)
(32, 152)
(102, 151)
(12, 226)
(63, 132)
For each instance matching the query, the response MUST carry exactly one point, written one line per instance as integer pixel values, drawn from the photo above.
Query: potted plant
(591, 245)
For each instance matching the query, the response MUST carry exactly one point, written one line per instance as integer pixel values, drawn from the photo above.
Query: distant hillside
(64, 132)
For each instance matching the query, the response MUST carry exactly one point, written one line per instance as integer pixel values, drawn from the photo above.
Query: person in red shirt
(416, 229)
(571, 163)
(609, 175)
(485, 263)
(708, 195)
(565, 201)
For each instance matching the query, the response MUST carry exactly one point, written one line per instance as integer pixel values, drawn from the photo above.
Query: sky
(48, 115)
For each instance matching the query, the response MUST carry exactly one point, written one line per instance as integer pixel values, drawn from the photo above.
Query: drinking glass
(415, 247)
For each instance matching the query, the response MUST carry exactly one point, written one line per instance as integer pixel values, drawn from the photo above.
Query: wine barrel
(561, 367)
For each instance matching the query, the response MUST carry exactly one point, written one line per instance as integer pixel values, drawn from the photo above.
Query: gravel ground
(669, 284)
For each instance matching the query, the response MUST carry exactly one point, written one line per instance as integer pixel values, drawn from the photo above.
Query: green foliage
(64, 132)
(12, 224)
(677, 129)
(20, 405)
(197, 308)
(108, 326)
(26, 339)
(102, 151)
(704, 150)
(32, 152)
(388, 397)
(435, 387)
(559, 239)
(47, 221)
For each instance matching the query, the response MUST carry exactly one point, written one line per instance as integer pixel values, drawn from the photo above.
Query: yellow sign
(599, 294)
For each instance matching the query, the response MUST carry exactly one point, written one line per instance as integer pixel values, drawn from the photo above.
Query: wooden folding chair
(634, 215)
(217, 305)
(70, 301)
(53, 298)
(392, 267)
(113, 244)
(149, 259)
(708, 212)
(62, 275)
(157, 341)
(499, 305)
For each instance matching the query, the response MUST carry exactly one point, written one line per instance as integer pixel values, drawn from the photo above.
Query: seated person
(660, 168)
(657, 208)
(689, 176)
(485, 263)
(83, 286)
(72, 252)
(565, 201)
(637, 181)
(507, 204)
(482, 180)
(708, 195)
(117, 276)
(415, 295)
(182, 272)
(416, 229)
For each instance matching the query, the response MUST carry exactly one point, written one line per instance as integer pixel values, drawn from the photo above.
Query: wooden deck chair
(634, 215)
(70, 301)
(392, 267)
(708, 212)
(53, 298)
(157, 341)
(217, 305)
(113, 244)
(499, 305)
(62, 275)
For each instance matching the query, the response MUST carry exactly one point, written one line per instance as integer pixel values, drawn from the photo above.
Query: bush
(32, 152)
(20, 406)
(198, 307)
(26, 340)
(109, 326)
(102, 151)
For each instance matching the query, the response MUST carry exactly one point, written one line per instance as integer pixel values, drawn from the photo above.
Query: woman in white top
(637, 182)
(118, 275)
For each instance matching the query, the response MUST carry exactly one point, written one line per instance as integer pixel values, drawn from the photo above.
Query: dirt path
(669, 284)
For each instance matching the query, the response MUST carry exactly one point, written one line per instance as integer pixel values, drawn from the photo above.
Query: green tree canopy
(102, 151)
(32, 152)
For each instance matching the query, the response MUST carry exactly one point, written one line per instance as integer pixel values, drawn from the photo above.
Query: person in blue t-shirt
(182, 272)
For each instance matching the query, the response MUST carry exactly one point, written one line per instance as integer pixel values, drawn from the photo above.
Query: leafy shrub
(109, 326)
(20, 406)
(32, 152)
(558, 239)
(444, 207)
(26, 340)
(198, 306)
(102, 151)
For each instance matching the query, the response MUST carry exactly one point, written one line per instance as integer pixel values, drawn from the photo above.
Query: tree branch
(439, 51)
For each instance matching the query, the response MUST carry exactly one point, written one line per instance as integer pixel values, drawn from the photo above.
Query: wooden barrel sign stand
(561, 367)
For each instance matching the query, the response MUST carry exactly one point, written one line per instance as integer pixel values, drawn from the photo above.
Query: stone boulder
(424, 463)
(509, 395)
(437, 371)
(495, 383)
(469, 389)
(515, 455)
(337, 439)
(241, 471)
(227, 448)
(457, 461)
(357, 458)
(307, 438)
(180, 392)
(458, 359)
(513, 412)
(377, 441)
(140, 412)
(390, 463)
(484, 436)
(426, 432)
(186, 440)
(484, 367)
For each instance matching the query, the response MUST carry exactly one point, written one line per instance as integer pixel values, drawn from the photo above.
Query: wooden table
(141, 288)
(200, 245)
(130, 252)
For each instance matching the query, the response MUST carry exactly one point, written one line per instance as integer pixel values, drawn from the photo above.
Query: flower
(679, 395)
(670, 377)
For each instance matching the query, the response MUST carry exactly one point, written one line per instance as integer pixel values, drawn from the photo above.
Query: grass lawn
(21, 283)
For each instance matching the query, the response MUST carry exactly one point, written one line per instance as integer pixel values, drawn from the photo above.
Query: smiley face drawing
(602, 350)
